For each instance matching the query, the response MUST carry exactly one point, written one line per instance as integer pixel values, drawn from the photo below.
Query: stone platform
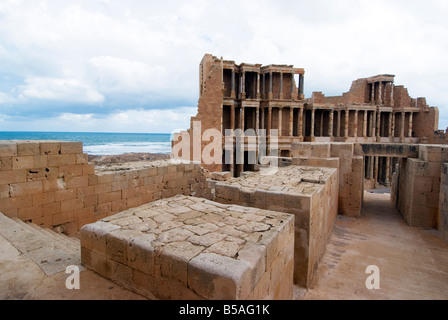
(191, 248)
(310, 193)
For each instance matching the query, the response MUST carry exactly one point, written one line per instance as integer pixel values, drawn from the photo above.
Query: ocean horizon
(101, 143)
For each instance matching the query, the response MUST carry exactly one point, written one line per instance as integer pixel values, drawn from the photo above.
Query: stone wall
(350, 167)
(417, 187)
(51, 184)
(311, 194)
(443, 203)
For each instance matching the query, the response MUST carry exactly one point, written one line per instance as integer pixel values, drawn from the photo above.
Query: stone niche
(310, 193)
(191, 248)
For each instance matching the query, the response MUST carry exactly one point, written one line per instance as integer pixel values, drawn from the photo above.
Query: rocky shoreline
(126, 157)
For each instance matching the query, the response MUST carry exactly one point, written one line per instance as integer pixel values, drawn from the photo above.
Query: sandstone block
(23, 162)
(28, 148)
(30, 213)
(8, 149)
(50, 148)
(63, 217)
(71, 147)
(173, 260)
(4, 191)
(227, 278)
(5, 163)
(93, 236)
(25, 188)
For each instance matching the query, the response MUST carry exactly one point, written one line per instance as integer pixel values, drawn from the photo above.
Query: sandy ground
(413, 264)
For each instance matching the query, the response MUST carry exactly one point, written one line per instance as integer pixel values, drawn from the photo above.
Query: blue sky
(132, 66)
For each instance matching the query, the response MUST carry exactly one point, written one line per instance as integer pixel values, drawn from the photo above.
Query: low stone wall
(350, 167)
(417, 187)
(51, 184)
(311, 194)
(443, 203)
(191, 248)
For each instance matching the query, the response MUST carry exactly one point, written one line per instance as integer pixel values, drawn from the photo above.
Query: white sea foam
(128, 147)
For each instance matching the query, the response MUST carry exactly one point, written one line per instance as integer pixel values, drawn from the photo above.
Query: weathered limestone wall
(350, 167)
(443, 203)
(426, 123)
(210, 106)
(52, 184)
(191, 248)
(417, 187)
(311, 194)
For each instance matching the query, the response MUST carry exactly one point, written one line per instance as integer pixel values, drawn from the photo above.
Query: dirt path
(412, 262)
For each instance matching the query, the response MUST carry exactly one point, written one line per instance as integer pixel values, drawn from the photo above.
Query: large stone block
(198, 246)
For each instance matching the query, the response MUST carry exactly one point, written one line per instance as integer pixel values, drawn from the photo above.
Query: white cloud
(92, 52)
(64, 90)
(126, 76)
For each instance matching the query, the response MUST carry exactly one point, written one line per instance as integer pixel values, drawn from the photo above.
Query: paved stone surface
(196, 244)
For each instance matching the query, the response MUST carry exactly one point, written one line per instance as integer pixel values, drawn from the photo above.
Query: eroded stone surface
(213, 250)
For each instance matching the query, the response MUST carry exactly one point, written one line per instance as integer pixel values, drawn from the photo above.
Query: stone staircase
(52, 252)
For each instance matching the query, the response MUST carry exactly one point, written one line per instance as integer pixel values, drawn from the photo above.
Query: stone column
(403, 115)
(280, 120)
(386, 178)
(373, 93)
(392, 94)
(378, 124)
(263, 87)
(390, 125)
(374, 124)
(232, 94)
(410, 125)
(375, 170)
(232, 117)
(312, 122)
(347, 112)
(242, 119)
(338, 125)
(291, 122)
(292, 86)
(263, 111)
(257, 118)
(330, 129)
(301, 122)
(380, 93)
(243, 86)
(356, 124)
(270, 85)
(281, 86)
(301, 85)
(269, 120)
(371, 165)
(258, 85)
(364, 128)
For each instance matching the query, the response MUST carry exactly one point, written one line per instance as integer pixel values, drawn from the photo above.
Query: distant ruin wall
(443, 203)
(341, 156)
(51, 184)
(417, 186)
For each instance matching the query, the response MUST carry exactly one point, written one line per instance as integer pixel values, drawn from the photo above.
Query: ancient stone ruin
(187, 229)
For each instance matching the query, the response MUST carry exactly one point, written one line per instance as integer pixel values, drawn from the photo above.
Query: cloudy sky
(132, 66)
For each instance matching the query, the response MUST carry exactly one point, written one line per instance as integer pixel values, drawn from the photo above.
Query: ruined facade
(252, 96)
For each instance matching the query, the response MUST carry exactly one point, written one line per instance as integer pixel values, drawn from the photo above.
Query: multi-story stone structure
(252, 96)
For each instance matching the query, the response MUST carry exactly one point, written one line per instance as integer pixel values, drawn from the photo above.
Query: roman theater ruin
(256, 223)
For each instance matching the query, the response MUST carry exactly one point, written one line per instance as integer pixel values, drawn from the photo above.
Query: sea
(102, 143)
